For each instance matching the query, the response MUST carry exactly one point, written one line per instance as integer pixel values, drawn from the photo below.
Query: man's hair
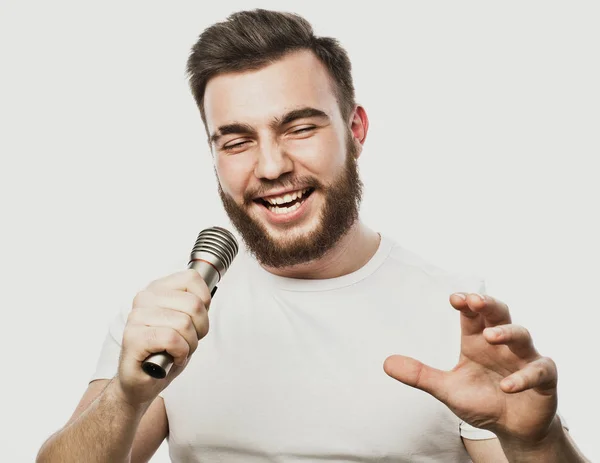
(250, 40)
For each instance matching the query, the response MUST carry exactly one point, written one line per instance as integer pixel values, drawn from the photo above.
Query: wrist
(533, 441)
(553, 446)
(115, 393)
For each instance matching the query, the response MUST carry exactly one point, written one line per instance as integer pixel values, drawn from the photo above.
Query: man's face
(284, 158)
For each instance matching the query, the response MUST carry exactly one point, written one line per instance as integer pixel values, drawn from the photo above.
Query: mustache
(286, 182)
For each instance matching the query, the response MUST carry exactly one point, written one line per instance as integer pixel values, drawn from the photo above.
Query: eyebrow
(235, 127)
(295, 114)
(246, 129)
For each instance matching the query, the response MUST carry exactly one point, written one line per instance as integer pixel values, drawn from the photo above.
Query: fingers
(416, 374)
(161, 297)
(156, 339)
(540, 374)
(178, 321)
(186, 280)
(492, 311)
(170, 314)
(470, 322)
(517, 338)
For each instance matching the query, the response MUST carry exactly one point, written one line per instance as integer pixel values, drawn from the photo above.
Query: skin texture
(255, 154)
(501, 383)
(125, 420)
(339, 211)
(263, 156)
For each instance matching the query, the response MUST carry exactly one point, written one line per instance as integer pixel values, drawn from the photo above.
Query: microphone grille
(219, 242)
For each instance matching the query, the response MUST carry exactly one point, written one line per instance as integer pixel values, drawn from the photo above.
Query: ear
(359, 126)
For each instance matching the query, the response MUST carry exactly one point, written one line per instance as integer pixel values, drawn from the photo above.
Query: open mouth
(287, 203)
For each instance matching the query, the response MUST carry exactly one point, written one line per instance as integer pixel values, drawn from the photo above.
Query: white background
(482, 157)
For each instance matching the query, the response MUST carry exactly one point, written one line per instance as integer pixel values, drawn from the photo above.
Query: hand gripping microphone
(211, 256)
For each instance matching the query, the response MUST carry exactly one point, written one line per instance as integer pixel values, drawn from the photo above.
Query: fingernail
(509, 383)
(480, 297)
(461, 295)
(495, 331)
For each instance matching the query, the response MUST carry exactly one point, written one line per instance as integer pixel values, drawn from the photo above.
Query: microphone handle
(158, 365)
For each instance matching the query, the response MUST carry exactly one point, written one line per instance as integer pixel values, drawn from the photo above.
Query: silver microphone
(211, 256)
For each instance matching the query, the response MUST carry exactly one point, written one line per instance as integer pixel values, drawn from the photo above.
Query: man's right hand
(169, 315)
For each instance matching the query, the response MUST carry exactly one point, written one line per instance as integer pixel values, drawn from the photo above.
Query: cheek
(234, 175)
(320, 155)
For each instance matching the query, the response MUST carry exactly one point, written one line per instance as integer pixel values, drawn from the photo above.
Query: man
(292, 367)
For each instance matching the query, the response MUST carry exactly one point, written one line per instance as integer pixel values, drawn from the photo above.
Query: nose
(272, 161)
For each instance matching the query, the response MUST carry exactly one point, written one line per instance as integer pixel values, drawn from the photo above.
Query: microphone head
(215, 246)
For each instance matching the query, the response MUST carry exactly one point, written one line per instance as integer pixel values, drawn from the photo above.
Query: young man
(293, 368)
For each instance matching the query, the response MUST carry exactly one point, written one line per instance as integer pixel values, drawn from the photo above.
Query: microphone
(211, 256)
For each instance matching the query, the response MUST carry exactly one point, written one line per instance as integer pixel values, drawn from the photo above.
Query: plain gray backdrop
(482, 157)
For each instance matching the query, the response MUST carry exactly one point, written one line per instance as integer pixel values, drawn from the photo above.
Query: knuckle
(196, 306)
(550, 364)
(203, 327)
(522, 334)
(182, 348)
(192, 345)
(190, 303)
(540, 373)
(528, 340)
(183, 322)
(172, 338)
(168, 339)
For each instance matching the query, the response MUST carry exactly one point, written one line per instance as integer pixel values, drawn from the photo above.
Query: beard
(337, 215)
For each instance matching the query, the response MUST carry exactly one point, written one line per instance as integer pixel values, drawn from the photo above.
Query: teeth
(284, 210)
(286, 198)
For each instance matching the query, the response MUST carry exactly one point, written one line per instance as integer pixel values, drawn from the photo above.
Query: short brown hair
(249, 40)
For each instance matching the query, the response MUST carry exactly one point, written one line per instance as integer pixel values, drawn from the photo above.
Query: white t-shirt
(292, 369)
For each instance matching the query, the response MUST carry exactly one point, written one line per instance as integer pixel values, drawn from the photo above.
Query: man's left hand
(501, 383)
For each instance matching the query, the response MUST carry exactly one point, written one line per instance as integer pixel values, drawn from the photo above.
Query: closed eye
(303, 130)
(234, 146)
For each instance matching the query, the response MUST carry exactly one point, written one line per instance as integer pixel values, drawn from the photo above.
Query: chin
(293, 233)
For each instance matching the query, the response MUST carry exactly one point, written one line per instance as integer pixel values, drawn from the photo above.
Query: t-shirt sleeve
(471, 432)
(108, 362)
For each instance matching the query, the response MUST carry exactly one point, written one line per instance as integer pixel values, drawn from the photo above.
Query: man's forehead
(297, 80)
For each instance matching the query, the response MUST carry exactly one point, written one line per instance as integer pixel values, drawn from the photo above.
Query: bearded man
(294, 366)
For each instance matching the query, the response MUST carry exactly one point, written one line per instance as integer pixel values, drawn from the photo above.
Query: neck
(350, 253)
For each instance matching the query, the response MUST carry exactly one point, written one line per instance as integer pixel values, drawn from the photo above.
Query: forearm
(557, 447)
(103, 433)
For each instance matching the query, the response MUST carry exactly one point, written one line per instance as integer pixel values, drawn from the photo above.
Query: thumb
(416, 374)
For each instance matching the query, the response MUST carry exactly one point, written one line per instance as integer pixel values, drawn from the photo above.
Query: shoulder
(410, 264)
